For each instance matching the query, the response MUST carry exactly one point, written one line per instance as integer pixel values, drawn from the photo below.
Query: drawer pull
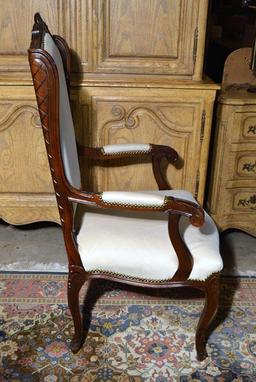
(249, 167)
(252, 129)
(250, 202)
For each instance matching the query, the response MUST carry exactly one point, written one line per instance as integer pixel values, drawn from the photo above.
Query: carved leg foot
(77, 343)
(76, 279)
(207, 316)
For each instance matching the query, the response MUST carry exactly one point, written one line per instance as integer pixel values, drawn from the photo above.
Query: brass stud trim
(132, 278)
(126, 153)
(135, 205)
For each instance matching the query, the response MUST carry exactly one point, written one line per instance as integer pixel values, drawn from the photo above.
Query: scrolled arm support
(162, 151)
(155, 152)
(193, 211)
(159, 152)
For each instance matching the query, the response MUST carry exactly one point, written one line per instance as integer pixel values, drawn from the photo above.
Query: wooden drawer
(236, 209)
(246, 164)
(244, 127)
(244, 200)
(236, 201)
(240, 162)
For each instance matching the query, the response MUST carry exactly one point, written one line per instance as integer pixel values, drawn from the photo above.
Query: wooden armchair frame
(46, 84)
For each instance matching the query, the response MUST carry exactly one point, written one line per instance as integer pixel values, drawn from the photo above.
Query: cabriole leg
(76, 279)
(212, 287)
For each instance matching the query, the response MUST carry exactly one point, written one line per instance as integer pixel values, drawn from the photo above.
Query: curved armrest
(142, 202)
(128, 150)
(193, 211)
(133, 199)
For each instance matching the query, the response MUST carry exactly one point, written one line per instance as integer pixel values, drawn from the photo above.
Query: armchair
(157, 239)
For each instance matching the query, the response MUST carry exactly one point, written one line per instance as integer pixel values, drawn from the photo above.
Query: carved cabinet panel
(24, 170)
(117, 36)
(234, 163)
(151, 36)
(169, 117)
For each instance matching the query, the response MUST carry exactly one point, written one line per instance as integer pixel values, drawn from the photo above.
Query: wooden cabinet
(143, 36)
(112, 36)
(136, 77)
(232, 197)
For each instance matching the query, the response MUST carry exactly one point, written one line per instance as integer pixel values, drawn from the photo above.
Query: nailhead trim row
(135, 205)
(126, 153)
(150, 281)
(132, 278)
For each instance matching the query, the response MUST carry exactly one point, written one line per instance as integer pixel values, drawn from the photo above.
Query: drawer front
(246, 165)
(244, 127)
(249, 127)
(237, 201)
(239, 165)
(244, 201)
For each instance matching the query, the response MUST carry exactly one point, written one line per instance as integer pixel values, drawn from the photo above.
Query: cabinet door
(26, 191)
(16, 20)
(70, 19)
(147, 36)
(167, 117)
(111, 36)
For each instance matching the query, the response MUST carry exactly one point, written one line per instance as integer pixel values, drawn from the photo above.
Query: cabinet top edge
(237, 97)
(127, 81)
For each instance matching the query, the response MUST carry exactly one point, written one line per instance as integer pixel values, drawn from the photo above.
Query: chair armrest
(133, 199)
(127, 150)
(142, 202)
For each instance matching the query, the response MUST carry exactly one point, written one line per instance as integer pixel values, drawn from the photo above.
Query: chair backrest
(67, 132)
(66, 127)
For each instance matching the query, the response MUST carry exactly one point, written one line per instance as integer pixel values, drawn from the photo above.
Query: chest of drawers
(232, 197)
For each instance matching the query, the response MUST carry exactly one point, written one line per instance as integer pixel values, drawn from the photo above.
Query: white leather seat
(137, 244)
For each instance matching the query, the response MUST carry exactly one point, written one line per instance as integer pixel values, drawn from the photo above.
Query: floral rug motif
(133, 336)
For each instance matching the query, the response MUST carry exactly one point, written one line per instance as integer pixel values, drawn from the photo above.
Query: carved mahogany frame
(46, 84)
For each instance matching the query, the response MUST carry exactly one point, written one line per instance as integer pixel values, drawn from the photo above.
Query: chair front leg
(212, 290)
(76, 279)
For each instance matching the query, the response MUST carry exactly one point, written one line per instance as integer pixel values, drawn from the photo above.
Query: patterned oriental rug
(133, 337)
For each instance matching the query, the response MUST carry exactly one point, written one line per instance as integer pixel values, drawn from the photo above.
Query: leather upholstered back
(67, 132)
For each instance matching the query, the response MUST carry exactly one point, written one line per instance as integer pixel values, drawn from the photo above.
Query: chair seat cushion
(137, 244)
